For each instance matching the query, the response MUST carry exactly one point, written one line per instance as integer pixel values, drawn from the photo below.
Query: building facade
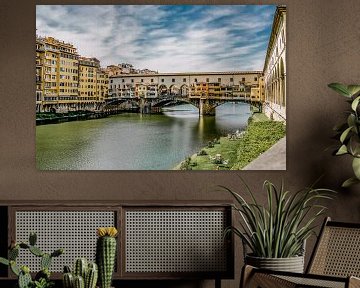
(87, 83)
(238, 84)
(56, 75)
(275, 69)
(65, 81)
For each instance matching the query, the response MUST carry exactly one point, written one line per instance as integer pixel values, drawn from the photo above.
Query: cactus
(44, 273)
(32, 239)
(42, 278)
(91, 276)
(24, 280)
(45, 261)
(67, 269)
(14, 268)
(36, 251)
(13, 253)
(57, 252)
(105, 254)
(88, 273)
(4, 261)
(80, 267)
(68, 280)
(79, 282)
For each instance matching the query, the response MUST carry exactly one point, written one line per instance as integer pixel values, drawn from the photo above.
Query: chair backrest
(337, 251)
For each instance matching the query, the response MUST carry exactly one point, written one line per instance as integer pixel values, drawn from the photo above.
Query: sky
(164, 38)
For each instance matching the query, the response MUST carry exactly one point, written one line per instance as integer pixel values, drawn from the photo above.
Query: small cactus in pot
(85, 275)
(106, 254)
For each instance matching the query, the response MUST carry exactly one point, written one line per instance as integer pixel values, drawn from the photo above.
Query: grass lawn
(260, 135)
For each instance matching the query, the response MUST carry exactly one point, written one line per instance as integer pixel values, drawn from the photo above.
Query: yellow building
(88, 99)
(66, 82)
(140, 90)
(102, 85)
(199, 90)
(40, 54)
(68, 77)
(257, 92)
(56, 75)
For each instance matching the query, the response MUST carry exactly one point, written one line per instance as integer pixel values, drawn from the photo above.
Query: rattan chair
(334, 263)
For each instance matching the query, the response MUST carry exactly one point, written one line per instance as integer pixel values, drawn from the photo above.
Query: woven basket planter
(291, 264)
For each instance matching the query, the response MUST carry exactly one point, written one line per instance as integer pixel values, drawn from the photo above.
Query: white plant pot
(291, 264)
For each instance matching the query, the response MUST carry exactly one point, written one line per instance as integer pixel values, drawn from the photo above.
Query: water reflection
(134, 141)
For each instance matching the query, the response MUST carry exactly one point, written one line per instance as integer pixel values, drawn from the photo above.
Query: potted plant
(84, 274)
(349, 132)
(42, 278)
(276, 233)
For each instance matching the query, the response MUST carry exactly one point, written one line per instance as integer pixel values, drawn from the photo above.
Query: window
(162, 80)
(243, 79)
(111, 81)
(132, 80)
(231, 79)
(173, 80)
(142, 80)
(195, 80)
(207, 80)
(219, 80)
(184, 79)
(255, 78)
(152, 80)
(123, 80)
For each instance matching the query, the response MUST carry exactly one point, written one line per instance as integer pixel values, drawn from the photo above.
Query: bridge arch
(174, 90)
(184, 90)
(162, 90)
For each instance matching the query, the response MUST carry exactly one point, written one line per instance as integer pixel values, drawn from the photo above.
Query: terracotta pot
(291, 264)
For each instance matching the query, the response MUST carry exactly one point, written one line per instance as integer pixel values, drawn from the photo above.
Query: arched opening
(282, 83)
(184, 90)
(174, 90)
(162, 91)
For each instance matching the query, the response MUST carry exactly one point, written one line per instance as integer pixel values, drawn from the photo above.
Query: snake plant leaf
(340, 88)
(342, 150)
(349, 182)
(356, 167)
(355, 103)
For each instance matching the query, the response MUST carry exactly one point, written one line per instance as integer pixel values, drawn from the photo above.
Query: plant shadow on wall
(349, 131)
(276, 233)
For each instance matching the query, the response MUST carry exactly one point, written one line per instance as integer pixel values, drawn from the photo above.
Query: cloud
(166, 38)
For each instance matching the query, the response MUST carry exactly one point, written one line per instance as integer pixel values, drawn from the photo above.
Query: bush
(259, 137)
(202, 153)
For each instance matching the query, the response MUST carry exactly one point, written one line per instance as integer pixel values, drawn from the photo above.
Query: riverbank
(235, 151)
(55, 118)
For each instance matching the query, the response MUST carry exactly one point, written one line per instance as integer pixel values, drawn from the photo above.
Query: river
(131, 141)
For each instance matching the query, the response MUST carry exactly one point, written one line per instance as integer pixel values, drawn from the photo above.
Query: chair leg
(217, 283)
(246, 273)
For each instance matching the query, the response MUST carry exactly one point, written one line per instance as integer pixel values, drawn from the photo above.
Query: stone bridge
(205, 90)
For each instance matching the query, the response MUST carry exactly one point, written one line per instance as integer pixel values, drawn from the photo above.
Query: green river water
(131, 141)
